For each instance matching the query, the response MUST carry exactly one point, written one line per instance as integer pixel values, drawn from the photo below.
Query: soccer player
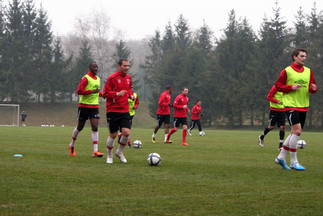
(163, 112)
(89, 89)
(133, 105)
(180, 105)
(117, 90)
(196, 112)
(276, 115)
(296, 82)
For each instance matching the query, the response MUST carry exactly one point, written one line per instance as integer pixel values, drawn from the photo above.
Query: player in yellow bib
(276, 116)
(296, 82)
(89, 91)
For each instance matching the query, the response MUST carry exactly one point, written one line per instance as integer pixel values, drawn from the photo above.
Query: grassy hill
(66, 113)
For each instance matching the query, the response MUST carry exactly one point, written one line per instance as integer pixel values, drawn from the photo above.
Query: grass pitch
(222, 173)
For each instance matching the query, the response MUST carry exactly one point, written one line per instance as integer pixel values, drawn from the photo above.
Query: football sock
(264, 133)
(283, 153)
(121, 147)
(129, 140)
(74, 136)
(166, 137)
(110, 145)
(170, 133)
(280, 143)
(293, 148)
(124, 140)
(154, 135)
(281, 135)
(184, 135)
(95, 138)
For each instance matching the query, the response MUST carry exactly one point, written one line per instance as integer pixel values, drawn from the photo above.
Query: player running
(117, 90)
(196, 112)
(163, 112)
(89, 89)
(180, 105)
(276, 116)
(296, 82)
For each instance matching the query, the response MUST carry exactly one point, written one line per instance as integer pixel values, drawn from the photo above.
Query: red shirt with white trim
(179, 102)
(115, 83)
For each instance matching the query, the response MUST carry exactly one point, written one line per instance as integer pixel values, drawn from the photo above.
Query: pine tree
(301, 36)
(43, 55)
(3, 42)
(81, 66)
(14, 54)
(273, 54)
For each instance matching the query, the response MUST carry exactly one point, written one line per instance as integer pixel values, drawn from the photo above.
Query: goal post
(9, 114)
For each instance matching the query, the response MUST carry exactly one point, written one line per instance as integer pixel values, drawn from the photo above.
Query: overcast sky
(137, 19)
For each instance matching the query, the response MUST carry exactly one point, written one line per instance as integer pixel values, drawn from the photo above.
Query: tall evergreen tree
(81, 66)
(315, 62)
(273, 54)
(14, 55)
(301, 36)
(3, 42)
(58, 69)
(43, 55)
(234, 52)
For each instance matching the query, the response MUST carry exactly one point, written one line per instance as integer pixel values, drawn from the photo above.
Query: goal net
(9, 114)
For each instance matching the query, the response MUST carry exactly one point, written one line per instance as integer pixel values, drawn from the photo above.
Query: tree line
(33, 65)
(233, 76)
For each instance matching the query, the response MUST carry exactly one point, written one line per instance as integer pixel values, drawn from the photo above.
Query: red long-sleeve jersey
(81, 90)
(115, 83)
(163, 103)
(196, 112)
(281, 84)
(179, 102)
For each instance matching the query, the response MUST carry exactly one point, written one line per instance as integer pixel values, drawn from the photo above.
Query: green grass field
(222, 173)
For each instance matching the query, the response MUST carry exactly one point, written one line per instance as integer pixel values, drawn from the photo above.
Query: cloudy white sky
(137, 19)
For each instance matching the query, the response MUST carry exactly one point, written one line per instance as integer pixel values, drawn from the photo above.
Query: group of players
(180, 114)
(119, 95)
(290, 97)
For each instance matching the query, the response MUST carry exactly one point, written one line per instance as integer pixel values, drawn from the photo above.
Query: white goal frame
(15, 114)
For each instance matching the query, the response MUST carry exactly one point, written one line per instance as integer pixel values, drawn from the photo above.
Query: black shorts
(178, 121)
(85, 113)
(296, 117)
(117, 121)
(163, 119)
(277, 117)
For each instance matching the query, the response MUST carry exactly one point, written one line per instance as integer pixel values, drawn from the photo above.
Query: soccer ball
(153, 159)
(301, 144)
(202, 133)
(137, 144)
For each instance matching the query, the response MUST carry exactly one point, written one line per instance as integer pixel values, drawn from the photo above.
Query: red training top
(281, 84)
(164, 101)
(81, 90)
(179, 102)
(115, 83)
(196, 112)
